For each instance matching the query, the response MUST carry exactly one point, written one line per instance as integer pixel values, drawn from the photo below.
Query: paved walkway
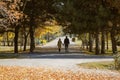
(53, 59)
(52, 46)
(58, 61)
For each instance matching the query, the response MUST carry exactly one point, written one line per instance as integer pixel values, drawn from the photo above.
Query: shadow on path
(63, 55)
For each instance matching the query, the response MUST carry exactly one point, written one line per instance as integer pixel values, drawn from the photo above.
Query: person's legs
(66, 48)
(59, 49)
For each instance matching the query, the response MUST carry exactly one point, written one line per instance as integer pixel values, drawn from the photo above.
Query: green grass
(108, 65)
(4, 56)
(10, 49)
(93, 53)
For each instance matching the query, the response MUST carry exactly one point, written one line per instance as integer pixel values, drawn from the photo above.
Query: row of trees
(24, 16)
(10, 16)
(94, 17)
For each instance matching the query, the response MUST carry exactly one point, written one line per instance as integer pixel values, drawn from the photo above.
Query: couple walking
(66, 44)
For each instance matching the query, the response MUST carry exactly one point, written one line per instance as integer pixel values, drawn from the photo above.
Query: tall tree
(12, 15)
(90, 42)
(36, 10)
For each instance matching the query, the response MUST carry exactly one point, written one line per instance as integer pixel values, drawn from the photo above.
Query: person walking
(59, 44)
(66, 43)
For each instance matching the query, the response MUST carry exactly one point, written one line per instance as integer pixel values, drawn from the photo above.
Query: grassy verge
(93, 53)
(4, 56)
(10, 49)
(107, 65)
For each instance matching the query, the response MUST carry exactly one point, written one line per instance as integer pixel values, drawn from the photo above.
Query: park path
(52, 46)
(53, 59)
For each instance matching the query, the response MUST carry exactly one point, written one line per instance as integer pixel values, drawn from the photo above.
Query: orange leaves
(11, 12)
(32, 73)
(39, 32)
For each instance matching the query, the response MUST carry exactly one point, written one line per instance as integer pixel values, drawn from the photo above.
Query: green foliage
(117, 61)
(39, 7)
(85, 16)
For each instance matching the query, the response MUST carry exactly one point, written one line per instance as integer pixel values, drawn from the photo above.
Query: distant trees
(81, 17)
(96, 18)
(12, 14)
(38, 11)
(26, 14)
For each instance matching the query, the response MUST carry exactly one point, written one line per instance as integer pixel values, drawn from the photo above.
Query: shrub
(117, 61)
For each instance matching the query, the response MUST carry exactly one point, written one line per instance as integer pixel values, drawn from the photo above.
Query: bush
(117, 61)
(73, 39)
(43, 41)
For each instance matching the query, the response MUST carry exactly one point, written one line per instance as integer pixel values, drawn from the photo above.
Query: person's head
(66, 37)
(59, 39)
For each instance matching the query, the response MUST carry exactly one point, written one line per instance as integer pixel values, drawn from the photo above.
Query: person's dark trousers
(66, 48)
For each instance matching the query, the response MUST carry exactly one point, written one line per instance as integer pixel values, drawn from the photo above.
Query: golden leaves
(47, 29)
(32, 73)
(11, 35)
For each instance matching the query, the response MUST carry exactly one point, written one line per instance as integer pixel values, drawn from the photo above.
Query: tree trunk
(32, 27)
(114, 45)
(32, 41)
(103, 42)
(25, 43)
(97, 42)
(83, 44)
(87, 46)
(7, 39)
(16, 39)
(90, 43)
(107, 46)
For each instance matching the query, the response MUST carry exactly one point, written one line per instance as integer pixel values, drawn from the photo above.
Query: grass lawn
(93, 53)
(4, 56)
(105, 65)
(10, 49)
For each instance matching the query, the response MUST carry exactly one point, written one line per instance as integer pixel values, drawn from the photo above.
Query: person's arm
(68, 41)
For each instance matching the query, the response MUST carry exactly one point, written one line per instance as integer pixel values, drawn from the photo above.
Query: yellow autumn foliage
(11, 35)
(51, 29)
(1, 38)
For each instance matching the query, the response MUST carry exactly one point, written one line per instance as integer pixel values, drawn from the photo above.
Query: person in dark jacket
(66, 43)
